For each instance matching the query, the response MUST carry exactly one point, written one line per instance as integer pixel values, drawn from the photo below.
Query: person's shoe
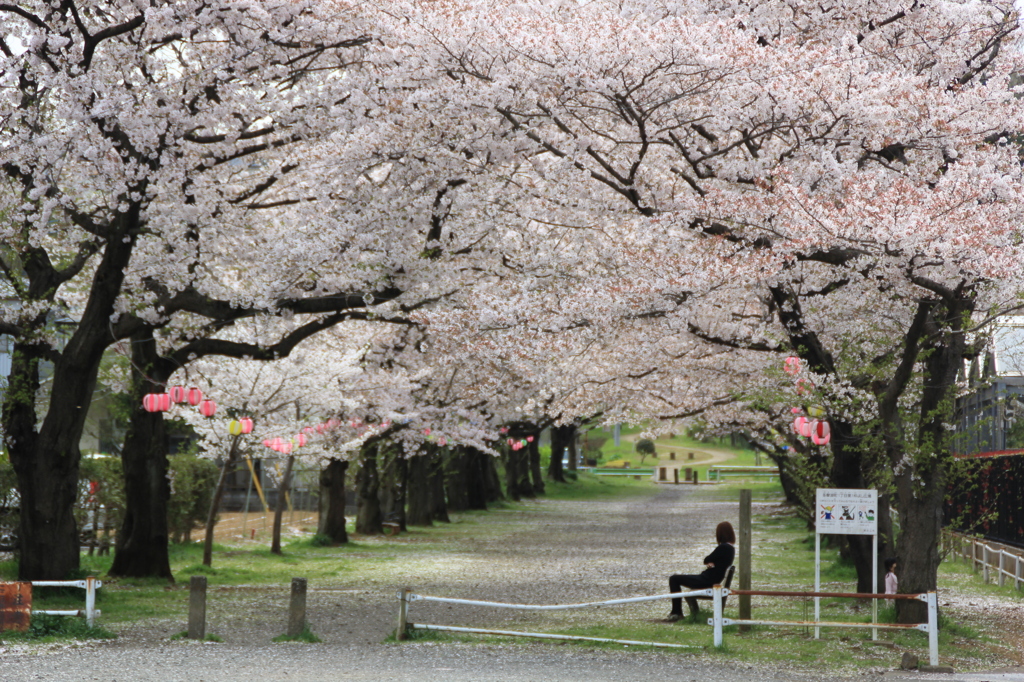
(673, 617)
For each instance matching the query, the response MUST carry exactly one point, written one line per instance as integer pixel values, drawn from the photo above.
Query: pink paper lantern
(792, 365)
(208, 408)
(821, 433)
(165, 401)
(529, 439)
(267, 443)
(275, 444)
(195, 396)
(246, 424)
(178, 395)
(151, 402)
(442, 442)
(300, 439)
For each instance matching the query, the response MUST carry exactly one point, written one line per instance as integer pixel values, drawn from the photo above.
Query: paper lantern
(821, 433)
(246, 424)
(195, 396)
(286, 448)
(300, 439)
(178, 395)
(442, 442)
(803, 386)
(151, 402)
(208, 408)
(529, 439)
(275, 444)
(235, 428)
(266, 442)
(816, 411)
(165, 401)
(792, 365)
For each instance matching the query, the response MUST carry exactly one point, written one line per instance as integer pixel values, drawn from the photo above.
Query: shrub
(193, 481)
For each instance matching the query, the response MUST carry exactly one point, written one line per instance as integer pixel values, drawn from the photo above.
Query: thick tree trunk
(492, 481)
(477, 485)
(141, 547)
(561, 437)
(369, 519)
(420, 508)
(393, 491)
(438, 496)
(282, 494)
(536, 475)
(332, 501)
(457, 478)
(46, 465)
(921, 485)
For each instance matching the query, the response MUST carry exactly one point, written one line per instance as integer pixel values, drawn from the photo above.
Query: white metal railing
(719, 472)
(90, 585)
(987, 558)
(406, 597)
(717, 593)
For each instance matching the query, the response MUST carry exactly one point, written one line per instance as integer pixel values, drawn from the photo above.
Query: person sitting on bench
(714, 572)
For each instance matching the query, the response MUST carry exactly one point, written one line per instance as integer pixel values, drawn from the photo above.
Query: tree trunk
(282, 493)
(492, 481)
(332, 501)
(218, 494)
(141, 547)
(511, 472)
(921, 485)
(536, 475)
(438, 498)
(419, 491)
(561, 436)
(369, 519)
(394, 489)
(457, 478)
(46, 464)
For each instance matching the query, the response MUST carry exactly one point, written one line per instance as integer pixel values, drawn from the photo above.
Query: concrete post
(197, 607)
(297, 608)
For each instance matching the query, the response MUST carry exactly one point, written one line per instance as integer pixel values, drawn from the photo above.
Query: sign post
(846, 511)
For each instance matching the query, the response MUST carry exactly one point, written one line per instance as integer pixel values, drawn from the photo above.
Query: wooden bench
(692, 601)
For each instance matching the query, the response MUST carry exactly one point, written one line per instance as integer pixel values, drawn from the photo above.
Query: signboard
(15, 606)
(846, 511)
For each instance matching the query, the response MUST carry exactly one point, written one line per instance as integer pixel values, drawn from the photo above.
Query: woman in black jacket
(714, 571)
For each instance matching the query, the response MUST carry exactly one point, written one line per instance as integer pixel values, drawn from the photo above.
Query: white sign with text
(847, 511)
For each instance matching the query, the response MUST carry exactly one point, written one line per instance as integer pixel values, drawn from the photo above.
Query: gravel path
(555, 552)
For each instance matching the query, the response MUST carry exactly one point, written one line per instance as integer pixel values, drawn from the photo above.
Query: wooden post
(671, 455)
(403, 615)
(297, 608)
(689, 474)
(696, 477)
(675, 475)
(197, 607)
(745, 554)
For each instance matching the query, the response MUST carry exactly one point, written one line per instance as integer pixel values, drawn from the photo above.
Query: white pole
(90, 601)
(717, 599)
(1002, 575)
(817, 582)
(984, 563)
(933, 629)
